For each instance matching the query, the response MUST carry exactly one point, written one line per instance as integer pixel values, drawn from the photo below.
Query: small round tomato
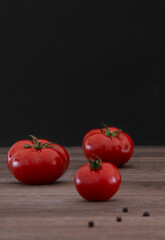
(110, 144)
(97, 180)
(38, 161)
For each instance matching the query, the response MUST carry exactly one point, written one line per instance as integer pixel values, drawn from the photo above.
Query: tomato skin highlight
(97, 185)
(117, 150)
(33, 166)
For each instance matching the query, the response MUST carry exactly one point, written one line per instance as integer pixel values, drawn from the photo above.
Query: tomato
(38, 161)
(110, 144)
(97, 180)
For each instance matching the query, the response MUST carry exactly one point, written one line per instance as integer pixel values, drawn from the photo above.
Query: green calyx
(110, 133)
(37, 144)
(95, 164)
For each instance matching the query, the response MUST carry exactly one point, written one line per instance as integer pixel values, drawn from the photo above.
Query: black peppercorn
(91, 224)
(125, 209)
(118, 219)
(146, 214)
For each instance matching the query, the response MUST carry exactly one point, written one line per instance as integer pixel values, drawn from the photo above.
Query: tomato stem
(95, 164)
(37, 144)
(109, 133)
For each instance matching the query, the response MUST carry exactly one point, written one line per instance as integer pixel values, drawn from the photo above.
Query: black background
(66, 66)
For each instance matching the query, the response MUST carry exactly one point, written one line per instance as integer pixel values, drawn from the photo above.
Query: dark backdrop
(66, 66)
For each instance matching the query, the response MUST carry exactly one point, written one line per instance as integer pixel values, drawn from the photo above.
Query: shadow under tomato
(129, 166)
(44, 184)
(81, 201)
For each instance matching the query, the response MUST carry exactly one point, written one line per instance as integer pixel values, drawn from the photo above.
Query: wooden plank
(56, 211)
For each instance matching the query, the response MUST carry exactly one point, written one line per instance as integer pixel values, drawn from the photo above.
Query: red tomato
(97, 181)
(110, 144)
(38, 161)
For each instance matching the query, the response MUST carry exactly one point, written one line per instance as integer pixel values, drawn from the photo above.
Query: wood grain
(56, 211)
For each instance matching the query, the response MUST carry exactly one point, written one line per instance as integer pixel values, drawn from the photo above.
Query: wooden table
(56, 211)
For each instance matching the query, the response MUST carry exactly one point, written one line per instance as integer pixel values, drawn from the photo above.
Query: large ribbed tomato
(110, 144)
(38, 161)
